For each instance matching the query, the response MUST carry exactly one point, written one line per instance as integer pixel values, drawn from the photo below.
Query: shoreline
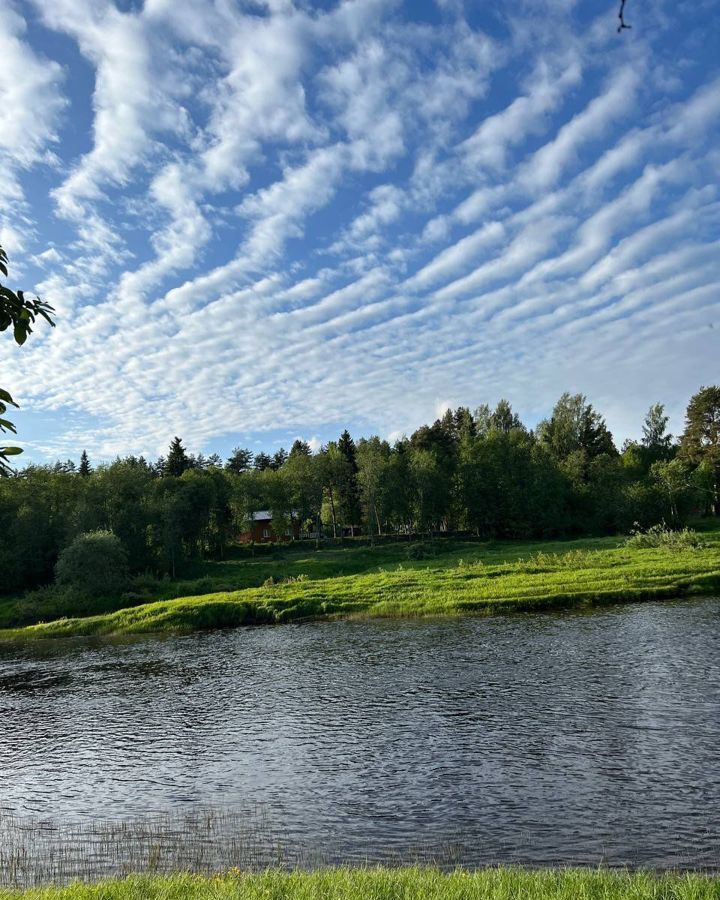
(593, 579)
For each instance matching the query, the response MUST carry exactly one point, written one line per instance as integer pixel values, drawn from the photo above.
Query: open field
(460, 579)
(393, 884)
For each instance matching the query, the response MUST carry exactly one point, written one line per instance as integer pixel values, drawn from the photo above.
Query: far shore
(458, 579)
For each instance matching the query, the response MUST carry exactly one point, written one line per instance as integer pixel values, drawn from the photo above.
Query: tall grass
(34, 852)
(663, 536)
(407, 883)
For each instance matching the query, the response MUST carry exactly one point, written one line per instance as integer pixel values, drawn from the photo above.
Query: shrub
(421, 550)
(662, 536)
(94, 565)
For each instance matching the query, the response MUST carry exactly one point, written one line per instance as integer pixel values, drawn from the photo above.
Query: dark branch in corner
(621, 16)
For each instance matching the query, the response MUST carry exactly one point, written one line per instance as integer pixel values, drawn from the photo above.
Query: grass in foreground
(481, 581)
(406, 883)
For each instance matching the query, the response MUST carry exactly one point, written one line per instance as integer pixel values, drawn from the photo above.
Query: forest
(475, 473)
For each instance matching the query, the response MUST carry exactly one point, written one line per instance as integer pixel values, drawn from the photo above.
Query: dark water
(536, 739)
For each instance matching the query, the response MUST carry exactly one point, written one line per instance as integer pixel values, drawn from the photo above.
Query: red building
(261, 529)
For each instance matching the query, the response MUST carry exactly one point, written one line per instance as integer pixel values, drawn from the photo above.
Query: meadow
(392, 580)
(406, 883)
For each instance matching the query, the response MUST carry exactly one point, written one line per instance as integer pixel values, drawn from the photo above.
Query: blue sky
(265, 219)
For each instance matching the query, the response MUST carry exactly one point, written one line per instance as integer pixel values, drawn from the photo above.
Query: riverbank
(393, 884)
(475, 583)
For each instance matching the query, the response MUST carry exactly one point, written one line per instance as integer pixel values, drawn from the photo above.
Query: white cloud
(549, 163)
(31, 97)
(526, 115)
(30, 110)
(290, 216)
(131, 100)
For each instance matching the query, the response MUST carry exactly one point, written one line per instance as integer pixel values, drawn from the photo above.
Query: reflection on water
(536, 739)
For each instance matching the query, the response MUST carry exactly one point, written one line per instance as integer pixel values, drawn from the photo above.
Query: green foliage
(700, 443)
(18, 311)
(177, 460)
(655, 437)
(667, 538)
(84, 469)
(395, 883)
(575, 427)
(421, 550)
(93, 565)
(240, 461)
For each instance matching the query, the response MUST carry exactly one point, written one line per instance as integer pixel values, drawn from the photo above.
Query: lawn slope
(483, 580)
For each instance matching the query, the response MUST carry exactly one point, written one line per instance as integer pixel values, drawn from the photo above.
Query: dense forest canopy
(480, 472)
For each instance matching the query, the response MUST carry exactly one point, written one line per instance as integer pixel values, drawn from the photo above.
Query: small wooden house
(261, 529)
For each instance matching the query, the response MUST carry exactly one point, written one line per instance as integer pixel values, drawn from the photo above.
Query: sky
(267, 219)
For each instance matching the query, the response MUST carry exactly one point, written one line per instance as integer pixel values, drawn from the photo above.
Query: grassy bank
(394, 884)
(465, 579)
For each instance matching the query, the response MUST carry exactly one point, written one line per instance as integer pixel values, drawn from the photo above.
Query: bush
(662, 536)
(420, 550)
(94, 565)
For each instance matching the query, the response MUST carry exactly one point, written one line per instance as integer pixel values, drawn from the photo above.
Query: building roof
(265, 515)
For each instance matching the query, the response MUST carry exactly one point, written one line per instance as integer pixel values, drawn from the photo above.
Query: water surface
(568, 738)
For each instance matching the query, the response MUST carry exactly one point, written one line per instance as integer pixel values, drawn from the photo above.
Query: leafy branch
(21, 313)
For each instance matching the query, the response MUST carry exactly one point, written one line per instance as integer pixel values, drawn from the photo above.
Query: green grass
(407, 883)
(463, 579)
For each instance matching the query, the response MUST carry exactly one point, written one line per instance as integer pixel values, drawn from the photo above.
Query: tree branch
(621, 16)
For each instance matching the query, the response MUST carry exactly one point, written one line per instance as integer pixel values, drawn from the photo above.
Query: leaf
(21, 333)
(7, 425)
(4, 395)
(10, 451)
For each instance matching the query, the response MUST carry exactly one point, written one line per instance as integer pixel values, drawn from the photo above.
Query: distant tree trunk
(332, 510)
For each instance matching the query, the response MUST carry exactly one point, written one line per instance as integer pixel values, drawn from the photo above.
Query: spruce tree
(349, 488)
(177, 459)
(300, 447)
(279, 459)
(84, 469)
(263, 461)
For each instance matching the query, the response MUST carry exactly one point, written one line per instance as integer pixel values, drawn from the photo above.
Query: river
(536, 739)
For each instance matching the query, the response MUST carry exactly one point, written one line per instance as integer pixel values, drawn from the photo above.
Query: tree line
(480, 472)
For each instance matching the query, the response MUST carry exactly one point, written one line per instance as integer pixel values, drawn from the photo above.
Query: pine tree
(300, 447)
(279, 459)
(240, 460)
(177, 460)
(263, 461)
(84, 469)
